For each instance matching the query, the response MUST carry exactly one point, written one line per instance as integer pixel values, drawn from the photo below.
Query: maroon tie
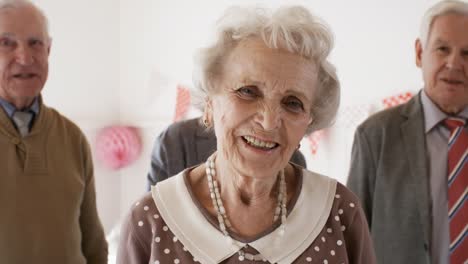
(457, 189)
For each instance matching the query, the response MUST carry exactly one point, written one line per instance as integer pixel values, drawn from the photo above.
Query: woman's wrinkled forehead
(251, 59)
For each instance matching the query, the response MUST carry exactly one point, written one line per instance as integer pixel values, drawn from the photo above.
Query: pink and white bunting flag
(182, 103)
(395, 100)
(314, 141)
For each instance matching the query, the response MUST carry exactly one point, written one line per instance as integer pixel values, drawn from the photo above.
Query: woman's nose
(270, 117)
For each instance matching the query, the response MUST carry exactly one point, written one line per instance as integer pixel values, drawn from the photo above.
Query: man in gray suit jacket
(399, 156)
(185, 144)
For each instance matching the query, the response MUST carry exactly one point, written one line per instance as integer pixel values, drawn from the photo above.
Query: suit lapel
(415, 144)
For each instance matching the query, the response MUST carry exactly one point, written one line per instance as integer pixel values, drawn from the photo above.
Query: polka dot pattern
(328, 247)
(149, 219)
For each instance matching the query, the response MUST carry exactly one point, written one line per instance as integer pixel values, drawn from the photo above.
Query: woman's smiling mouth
(258, 143)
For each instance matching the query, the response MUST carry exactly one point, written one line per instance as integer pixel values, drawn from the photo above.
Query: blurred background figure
(47, 191)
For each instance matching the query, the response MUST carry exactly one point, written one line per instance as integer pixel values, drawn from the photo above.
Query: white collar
(208, 245)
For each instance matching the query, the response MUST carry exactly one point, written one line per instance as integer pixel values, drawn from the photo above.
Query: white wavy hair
(27, 3)
(291, 28)
(440, 9)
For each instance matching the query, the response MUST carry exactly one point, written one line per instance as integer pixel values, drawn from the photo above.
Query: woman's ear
(208, 113)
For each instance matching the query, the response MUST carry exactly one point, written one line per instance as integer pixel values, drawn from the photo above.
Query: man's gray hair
(439, 9)
(27, 3)
(291, 28)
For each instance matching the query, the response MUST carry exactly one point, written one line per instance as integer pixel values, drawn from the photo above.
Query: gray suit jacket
(389, 173)
(185, 144)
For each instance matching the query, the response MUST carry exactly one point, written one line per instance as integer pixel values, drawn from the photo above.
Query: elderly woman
(266, 83)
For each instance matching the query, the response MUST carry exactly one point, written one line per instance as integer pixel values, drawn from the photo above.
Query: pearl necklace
(223, 220)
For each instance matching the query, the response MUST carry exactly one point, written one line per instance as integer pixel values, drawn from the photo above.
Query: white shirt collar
(208, 245)
(432, 113)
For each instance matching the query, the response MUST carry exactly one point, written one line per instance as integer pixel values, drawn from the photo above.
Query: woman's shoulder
(142, 215)
(345, 195)
(146, 237)
(346, 205)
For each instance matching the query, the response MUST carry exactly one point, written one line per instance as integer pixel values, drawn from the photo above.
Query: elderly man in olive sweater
(47, 194)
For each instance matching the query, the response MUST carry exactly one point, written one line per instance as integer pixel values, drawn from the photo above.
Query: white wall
(83, 79)
(117, 62)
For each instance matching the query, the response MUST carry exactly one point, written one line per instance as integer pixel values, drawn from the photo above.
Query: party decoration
(314, 140)
(118, 146)
(395, 100)
(182, 103)
(351, 116)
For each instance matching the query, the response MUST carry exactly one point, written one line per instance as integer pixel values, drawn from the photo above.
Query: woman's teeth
(259, 143)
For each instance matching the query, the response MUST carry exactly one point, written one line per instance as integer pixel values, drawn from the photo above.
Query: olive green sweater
(47, 194)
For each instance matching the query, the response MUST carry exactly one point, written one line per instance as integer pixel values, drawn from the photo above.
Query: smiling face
(444, 62)
(24, 52)
(261, 109)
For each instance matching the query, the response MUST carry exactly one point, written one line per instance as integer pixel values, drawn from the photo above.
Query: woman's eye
(248, 91)
(294, 105)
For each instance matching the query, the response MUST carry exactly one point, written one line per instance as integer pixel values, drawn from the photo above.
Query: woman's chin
(260, 161)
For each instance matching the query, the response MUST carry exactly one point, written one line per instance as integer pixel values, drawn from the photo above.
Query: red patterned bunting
(395, 100)
(314, 140)
(182, 103)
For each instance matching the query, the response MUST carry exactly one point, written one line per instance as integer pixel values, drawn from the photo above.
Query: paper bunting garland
(314, 140)
(395, 100)
(182, 103)
(349, 117)
(352, 116)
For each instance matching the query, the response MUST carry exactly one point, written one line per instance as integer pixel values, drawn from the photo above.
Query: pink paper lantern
(118, 146)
